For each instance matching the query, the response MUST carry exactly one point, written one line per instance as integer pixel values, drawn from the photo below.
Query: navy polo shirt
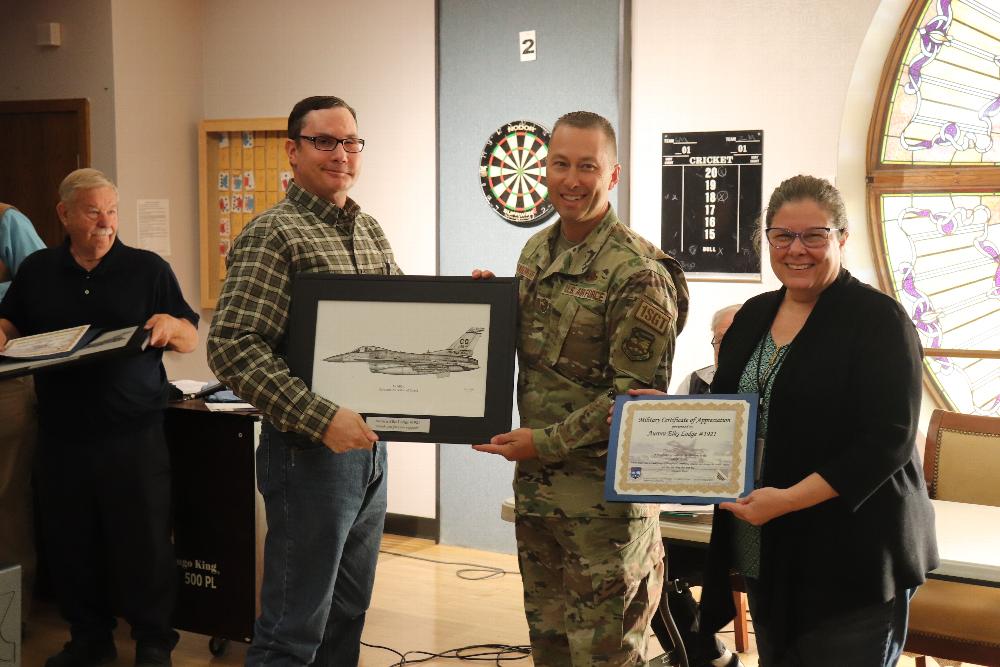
(51, 291)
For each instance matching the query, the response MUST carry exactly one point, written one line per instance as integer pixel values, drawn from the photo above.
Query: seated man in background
(18, 423)
(698, 381)
(684, 566)
(103, 472)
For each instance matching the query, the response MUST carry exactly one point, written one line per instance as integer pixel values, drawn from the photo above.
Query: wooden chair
(741, 628)
(950, 620)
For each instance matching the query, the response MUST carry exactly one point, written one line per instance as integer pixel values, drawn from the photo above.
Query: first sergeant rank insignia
(638, 345)
(652, 315)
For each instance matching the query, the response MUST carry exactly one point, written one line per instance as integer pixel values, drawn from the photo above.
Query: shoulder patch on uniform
(652, 315)
(526, 271)
(639, 345)
(585, 293)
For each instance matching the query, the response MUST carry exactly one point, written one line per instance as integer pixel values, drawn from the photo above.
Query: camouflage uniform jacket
(598, 319)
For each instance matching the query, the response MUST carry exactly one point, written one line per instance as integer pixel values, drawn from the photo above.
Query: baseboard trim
(411, 526)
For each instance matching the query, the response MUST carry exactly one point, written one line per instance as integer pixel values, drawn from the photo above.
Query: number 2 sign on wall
(526, 45)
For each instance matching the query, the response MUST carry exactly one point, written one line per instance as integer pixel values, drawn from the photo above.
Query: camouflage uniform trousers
(591, 587)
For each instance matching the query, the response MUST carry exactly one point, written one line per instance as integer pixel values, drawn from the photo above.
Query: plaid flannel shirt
(301, 234)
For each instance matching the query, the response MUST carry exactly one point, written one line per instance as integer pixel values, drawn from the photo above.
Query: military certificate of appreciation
(45, 344)
(681, 449)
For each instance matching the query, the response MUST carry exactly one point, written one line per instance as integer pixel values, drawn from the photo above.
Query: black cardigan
(845, 404)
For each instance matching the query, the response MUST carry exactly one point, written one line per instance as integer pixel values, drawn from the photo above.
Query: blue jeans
(325, 513)
(871, 636)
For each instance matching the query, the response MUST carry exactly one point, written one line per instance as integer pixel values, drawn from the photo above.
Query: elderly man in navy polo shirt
(103, 473)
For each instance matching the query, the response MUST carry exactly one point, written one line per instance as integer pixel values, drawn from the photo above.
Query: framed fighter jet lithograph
(421, 358)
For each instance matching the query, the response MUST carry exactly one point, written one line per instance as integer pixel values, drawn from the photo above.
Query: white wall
(804, 71)
(158, 102)
(782, 66)
(81, 67)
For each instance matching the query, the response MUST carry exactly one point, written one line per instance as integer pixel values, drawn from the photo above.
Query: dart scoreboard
(711, 200)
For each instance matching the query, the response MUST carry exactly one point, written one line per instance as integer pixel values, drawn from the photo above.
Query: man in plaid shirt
(321, 470)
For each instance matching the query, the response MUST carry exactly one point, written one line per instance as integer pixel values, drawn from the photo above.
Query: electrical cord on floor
(471, 571)
(496, 653)
(484, 652)
(402, 657)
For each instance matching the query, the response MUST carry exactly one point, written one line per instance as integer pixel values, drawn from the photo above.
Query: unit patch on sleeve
(638, 345)
(650, 314)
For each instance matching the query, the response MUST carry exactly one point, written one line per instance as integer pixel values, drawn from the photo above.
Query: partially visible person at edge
(18, 423)
(599, 311)
(103, 469)
(703, 650)
(320, 468)
(839, 531)
(698, 381)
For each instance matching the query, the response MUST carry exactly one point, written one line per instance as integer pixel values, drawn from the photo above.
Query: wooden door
(41, 141)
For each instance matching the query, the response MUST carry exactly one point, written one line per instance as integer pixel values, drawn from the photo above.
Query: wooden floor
(417, 605)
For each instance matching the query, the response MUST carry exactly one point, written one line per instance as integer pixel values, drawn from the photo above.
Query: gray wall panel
(481, 85)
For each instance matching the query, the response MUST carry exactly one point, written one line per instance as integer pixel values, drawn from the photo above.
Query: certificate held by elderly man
(681, 449)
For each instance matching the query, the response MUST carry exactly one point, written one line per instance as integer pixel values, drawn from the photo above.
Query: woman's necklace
(774, 356)
(764, 396)
(772, 363)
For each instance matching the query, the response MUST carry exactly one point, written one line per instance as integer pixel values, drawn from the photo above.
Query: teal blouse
(758, 377)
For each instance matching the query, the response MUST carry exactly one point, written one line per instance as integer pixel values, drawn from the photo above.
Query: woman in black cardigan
(839, 530)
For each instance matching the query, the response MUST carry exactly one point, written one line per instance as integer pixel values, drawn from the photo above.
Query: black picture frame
(403, 386)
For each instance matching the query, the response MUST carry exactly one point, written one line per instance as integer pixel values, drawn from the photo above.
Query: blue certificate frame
(694, 450)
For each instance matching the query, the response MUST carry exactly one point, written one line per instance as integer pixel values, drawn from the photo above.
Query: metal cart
(218, 521)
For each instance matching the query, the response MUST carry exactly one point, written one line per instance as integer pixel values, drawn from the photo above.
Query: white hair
(83, 179)
(723, 313)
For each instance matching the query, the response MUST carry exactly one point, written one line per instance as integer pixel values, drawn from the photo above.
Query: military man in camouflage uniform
(600, 309)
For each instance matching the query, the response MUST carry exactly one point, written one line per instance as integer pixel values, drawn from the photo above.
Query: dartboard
(512, 173)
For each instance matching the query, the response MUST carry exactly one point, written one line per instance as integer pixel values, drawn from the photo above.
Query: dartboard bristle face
(512, 173)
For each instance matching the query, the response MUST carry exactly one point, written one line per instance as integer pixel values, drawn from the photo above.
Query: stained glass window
(934, 192)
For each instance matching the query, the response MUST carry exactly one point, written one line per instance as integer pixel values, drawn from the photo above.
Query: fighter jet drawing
(455, 358)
